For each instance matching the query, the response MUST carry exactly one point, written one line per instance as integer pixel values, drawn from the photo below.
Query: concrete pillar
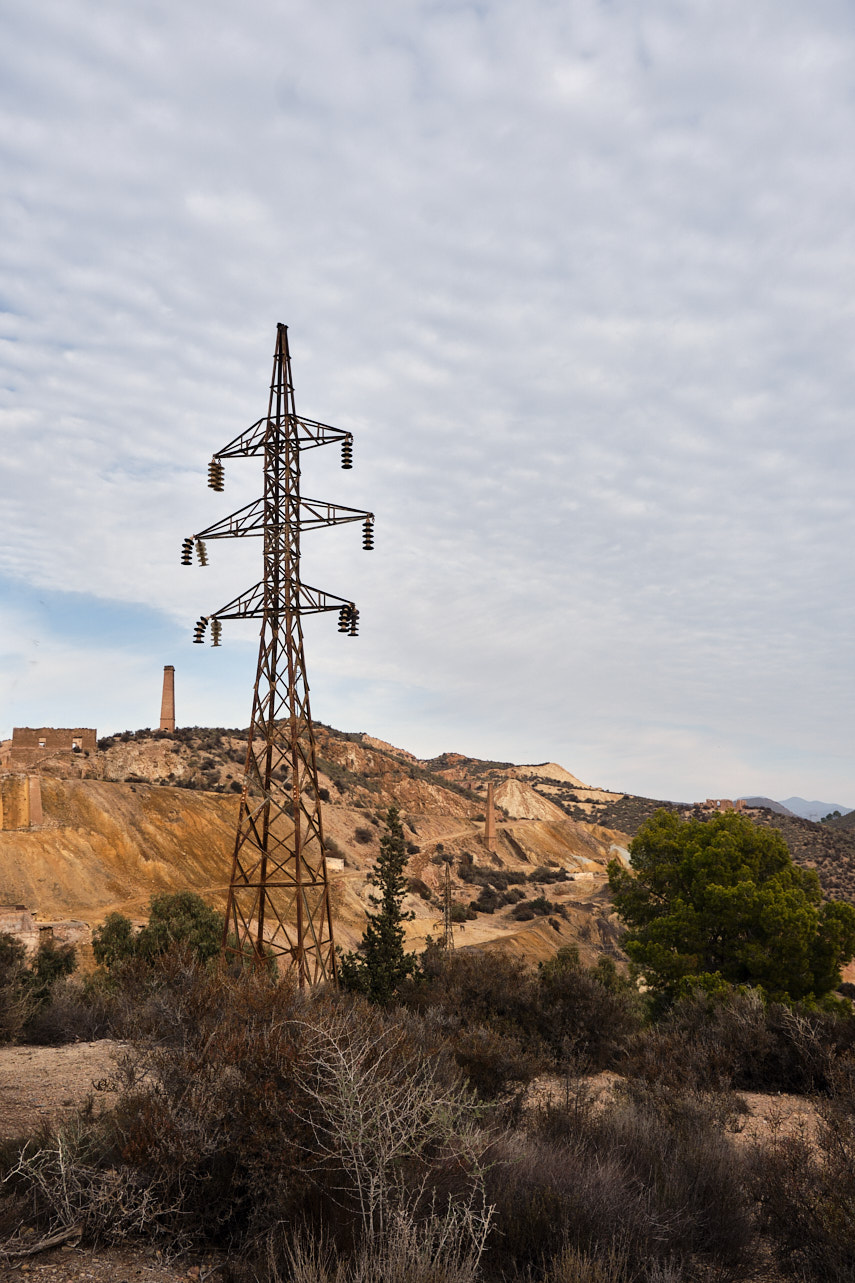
(490, 822)
(167, 703)
(35, 785)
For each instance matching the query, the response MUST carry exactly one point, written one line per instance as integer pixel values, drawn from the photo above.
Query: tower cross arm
(250, 604)
(308, 433)
(311, 433)
(315, 513)
(248, 520)
(313, 601)
(246, 443)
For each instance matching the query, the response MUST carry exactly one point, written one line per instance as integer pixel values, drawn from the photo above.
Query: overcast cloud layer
(578, 276)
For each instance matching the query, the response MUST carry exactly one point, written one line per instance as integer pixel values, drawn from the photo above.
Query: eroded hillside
(152, 812)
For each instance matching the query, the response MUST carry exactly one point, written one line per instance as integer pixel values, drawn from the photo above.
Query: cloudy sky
(580, 278)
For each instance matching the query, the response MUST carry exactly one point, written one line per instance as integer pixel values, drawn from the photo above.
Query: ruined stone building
(30, 746)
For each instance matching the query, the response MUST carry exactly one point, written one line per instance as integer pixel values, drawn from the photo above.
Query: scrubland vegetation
(444, 1122)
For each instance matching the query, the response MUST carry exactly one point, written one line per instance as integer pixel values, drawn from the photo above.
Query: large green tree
(720, 900)
(380, 965)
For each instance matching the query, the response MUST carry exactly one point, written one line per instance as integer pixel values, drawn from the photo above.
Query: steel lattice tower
(447, 919)
(279, 903)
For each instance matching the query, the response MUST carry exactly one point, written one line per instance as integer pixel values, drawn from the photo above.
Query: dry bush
(75, 1177)
(738, 1041)
(440, 1248)
(804, 1187)
(75, 1012)
(656, 1169)
(507, 1023)
(244, 1103)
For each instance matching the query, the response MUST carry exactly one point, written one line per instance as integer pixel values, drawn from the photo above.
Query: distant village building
(724, 804)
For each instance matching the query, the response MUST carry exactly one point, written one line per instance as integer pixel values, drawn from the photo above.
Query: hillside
(151, 812)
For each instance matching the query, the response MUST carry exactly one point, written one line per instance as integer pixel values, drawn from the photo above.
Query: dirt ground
(110, 1265)
(41, 1084)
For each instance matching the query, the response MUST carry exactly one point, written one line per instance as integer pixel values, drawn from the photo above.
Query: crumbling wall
(20, 801)
(14, 802)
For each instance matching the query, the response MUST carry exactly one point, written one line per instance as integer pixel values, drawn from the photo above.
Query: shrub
(363, 836)
(14, 1001)
(181, 918)
(653, 1174)
(417, 887)
(543, 874)
(805, 1189)
(50, 963)
(589, 1012)
(113, 941)
(539, 907)
(734, 1039)
(246, 1105)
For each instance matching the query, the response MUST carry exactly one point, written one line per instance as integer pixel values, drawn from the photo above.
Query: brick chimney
(167, 703)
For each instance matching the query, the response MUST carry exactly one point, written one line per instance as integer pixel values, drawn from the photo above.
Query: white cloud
(580, 281)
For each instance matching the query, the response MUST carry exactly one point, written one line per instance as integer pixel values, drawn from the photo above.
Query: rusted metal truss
(279, 901)
(447, 916)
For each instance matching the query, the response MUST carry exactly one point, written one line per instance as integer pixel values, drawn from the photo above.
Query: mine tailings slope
(106, 846)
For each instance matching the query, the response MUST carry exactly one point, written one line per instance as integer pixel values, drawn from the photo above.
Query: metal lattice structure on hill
(447, 919)
(279, 902)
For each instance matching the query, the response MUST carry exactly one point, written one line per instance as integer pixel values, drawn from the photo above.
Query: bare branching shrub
(74, 1178)
(382, 1120)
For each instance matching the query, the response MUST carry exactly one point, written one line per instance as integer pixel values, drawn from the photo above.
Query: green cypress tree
(380, 965)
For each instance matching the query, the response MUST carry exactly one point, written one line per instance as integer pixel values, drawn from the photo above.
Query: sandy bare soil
(109, 1265)
(39, 1084)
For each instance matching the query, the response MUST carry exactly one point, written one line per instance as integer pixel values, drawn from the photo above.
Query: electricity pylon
(447, 919)
(279, 902)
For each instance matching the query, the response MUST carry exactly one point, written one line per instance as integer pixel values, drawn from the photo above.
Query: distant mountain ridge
(768, 803)
(814, 811)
